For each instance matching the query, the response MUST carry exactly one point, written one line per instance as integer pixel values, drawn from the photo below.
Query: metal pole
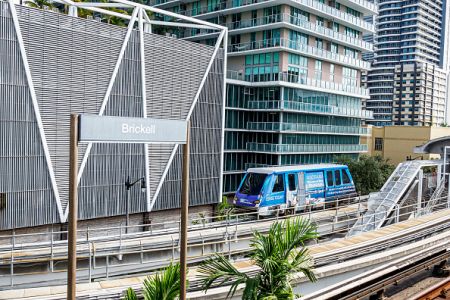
(128, 208)
(184, 213)
(73, 207)
(419, 191)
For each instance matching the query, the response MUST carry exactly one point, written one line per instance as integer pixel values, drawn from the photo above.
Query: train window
(345, 178)
(330, 178)
(279, 184)
(291, 182)
(337, 177)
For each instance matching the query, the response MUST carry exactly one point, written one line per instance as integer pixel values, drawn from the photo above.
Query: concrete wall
(399, 141)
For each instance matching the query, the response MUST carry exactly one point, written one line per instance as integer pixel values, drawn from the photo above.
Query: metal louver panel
(71, 61)
(206, 126)
(24, 178)
(172, 83)
(109, 165)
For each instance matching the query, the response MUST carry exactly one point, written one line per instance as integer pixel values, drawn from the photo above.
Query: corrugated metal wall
(206, 123)
(24, 176)
(71, 62)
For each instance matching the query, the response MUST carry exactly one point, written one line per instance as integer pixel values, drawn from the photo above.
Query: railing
(301, 127)
(310, 107)
(300, 47)
(293, 78)
(323, 8)
(305, 148)
(103, 255)
(311, 27)
(232, 243)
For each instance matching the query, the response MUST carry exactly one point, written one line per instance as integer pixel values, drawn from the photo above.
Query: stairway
(435, 199)
(382, 203)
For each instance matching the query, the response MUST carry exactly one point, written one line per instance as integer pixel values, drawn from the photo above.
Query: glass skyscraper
(407, 82)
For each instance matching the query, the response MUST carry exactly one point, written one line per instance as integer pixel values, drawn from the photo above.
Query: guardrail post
(90, 261)
(51, 250)
(142, 252)
(203, 244)
(13, 242)
(107, 266)
(397, 214)
(173, 247)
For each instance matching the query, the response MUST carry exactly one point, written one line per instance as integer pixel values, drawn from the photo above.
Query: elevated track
(427, 234)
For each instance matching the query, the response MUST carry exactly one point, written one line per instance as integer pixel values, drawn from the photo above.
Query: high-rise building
(407, 81)
(294, 93)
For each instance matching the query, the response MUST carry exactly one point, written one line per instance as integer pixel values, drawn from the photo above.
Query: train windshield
(253, 183)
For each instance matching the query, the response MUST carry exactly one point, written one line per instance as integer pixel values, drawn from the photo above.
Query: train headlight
(256, 202)
(234, 200)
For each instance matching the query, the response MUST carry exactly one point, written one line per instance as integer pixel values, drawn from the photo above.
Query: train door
(301, 194)
(292, 190)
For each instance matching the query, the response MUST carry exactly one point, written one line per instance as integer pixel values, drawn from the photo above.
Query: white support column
(147, 24)
(439, 176)
(419, 191)
(444, 171)
(280, 138)
(224, 96)
(73, 11)
(144, 99)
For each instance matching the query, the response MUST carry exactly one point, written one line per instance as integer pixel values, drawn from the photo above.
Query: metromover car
(269, 188)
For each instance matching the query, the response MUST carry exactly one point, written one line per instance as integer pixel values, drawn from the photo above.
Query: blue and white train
(268, 188)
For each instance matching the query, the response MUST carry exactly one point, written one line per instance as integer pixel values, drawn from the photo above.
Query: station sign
(110, 129)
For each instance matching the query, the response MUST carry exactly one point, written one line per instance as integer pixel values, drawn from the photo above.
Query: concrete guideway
(370, 246)
(100, 259)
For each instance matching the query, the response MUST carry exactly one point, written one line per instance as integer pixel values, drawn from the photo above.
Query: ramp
(382, 203)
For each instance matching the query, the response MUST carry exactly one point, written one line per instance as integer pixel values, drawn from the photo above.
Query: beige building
(396, 143)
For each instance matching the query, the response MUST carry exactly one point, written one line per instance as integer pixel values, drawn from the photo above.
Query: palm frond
(130, 294)
(165, 285)
(217, 271)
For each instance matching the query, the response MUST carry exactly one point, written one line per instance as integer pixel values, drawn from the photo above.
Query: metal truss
(139, 20)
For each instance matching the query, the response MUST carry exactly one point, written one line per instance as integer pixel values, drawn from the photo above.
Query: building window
(378, 144)
(332, 72)
(318, 70)
(319, 43)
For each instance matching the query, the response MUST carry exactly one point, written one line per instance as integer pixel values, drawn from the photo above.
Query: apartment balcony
(310, 108)
(307, 128)
(311, 6)
(306, 26)
(296, 81)
(302, 49)
(305, 148)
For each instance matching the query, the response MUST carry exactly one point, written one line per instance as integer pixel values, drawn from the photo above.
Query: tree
(162, 286)
(369, 172)
(39, 3)
(277, 256)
